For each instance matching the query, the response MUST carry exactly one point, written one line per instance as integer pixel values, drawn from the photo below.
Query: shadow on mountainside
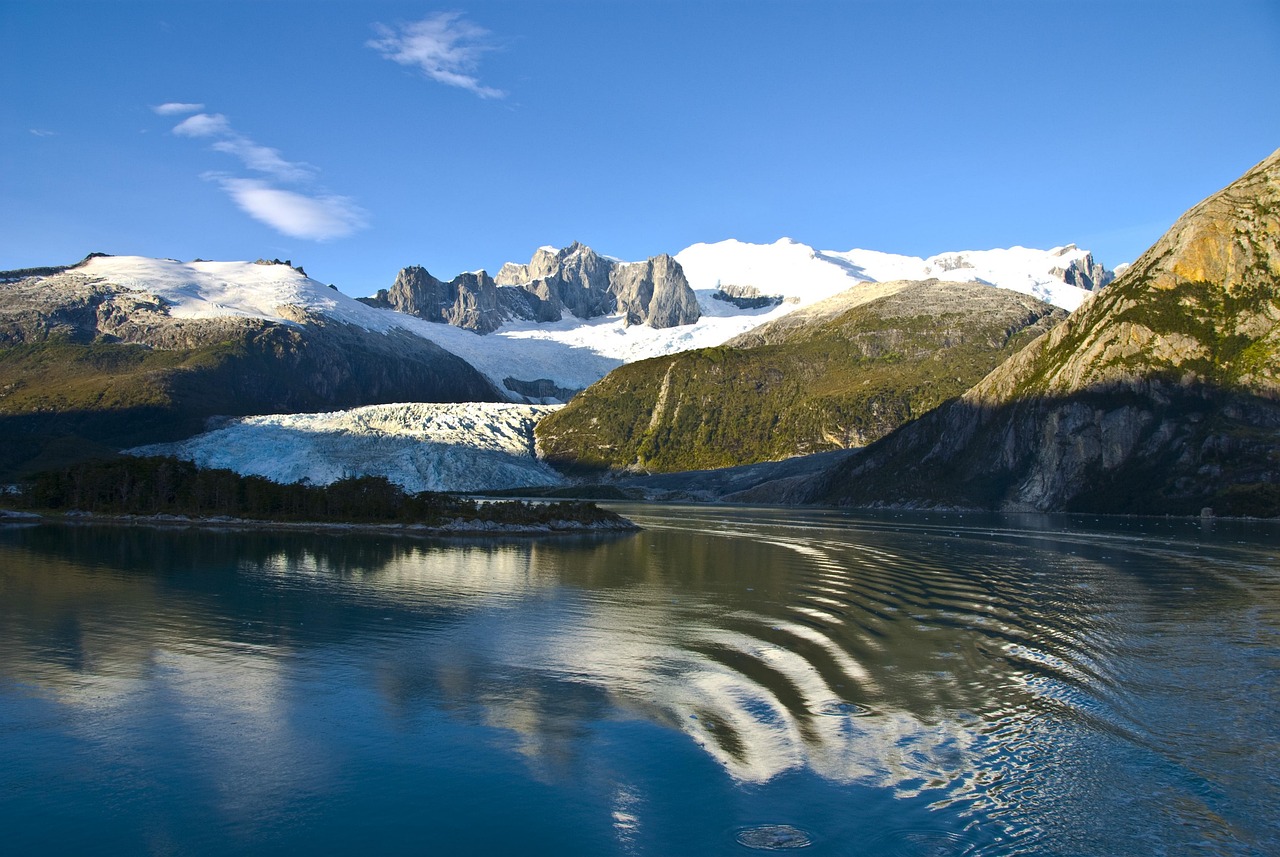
(1154, 447)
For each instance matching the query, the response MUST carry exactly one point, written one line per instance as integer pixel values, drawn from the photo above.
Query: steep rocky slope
(91, 360)
(1160, 395)
(469, 300)
(576, 278)
(838, 374)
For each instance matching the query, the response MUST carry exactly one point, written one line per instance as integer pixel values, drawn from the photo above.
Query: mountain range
(1011, 379)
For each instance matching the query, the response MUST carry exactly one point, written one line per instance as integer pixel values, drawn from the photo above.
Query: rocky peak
(576, 278)
(469, 300)
(654, 292)
(1083, 272)
(288, 263)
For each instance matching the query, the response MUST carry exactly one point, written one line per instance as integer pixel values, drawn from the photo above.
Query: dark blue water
(724, 682)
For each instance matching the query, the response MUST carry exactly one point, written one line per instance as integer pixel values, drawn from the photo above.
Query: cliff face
(573, 279)
(839, 374)
(1160, 394)
(653, 292)
(468, 300)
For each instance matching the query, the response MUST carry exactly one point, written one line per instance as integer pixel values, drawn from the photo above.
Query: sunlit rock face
(1157, 396)
(579, 280)
(469, 300)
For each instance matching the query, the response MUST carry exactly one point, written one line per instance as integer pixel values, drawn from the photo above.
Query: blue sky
(357, 138)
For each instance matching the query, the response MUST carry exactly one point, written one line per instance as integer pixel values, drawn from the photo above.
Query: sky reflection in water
(889, 686)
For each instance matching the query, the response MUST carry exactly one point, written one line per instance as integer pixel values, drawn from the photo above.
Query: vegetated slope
(1158, 396)
(839, 374)
(117, 352)
(421, 447)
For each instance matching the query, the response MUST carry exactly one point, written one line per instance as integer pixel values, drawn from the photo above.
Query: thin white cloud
(442, 46)
(42, 132)
(318, 218)
(263, 159)
(177, 108)
(203, 125)
(307, 212)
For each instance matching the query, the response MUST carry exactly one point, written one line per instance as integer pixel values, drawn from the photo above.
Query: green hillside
(842, 379)
(1160, 396)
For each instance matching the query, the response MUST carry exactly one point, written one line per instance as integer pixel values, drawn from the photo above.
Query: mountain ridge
(1158, 396)
(839, 373)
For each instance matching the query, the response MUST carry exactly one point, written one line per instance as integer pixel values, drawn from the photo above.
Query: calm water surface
(725, 681)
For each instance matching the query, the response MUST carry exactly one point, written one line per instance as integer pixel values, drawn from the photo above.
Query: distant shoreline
(456, 528)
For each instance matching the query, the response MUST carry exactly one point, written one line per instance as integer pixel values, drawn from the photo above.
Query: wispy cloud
(42, 132)
(442, 46)
(177, 108)
(263, 159)
(203, 125)
(306, 212)
(318, 217)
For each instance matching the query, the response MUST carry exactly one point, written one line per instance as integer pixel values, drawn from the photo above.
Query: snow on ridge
(423, 447)
(573, 353)
(247, 289)
(786, 267)
(797, 271)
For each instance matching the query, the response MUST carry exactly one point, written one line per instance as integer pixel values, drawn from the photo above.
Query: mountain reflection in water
(979, 685)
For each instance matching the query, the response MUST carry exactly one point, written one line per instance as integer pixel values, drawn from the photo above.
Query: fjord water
(725, 680)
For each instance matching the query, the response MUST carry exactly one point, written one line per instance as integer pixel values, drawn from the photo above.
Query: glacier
(469, 447)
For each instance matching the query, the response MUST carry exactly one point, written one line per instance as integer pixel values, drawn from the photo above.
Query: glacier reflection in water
(886, 685)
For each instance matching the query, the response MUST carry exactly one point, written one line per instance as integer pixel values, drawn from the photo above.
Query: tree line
(160, 485)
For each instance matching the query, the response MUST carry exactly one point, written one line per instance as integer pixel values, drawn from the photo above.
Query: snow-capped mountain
(264, 338)
(1062, 276)
(423, 447)
(550, 361)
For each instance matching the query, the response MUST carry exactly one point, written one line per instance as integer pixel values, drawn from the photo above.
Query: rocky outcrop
(468, 301)
(654, 292)
(1159, 395)
(539, 391)
(1083, 273)
(576, 278)
(745, 297)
